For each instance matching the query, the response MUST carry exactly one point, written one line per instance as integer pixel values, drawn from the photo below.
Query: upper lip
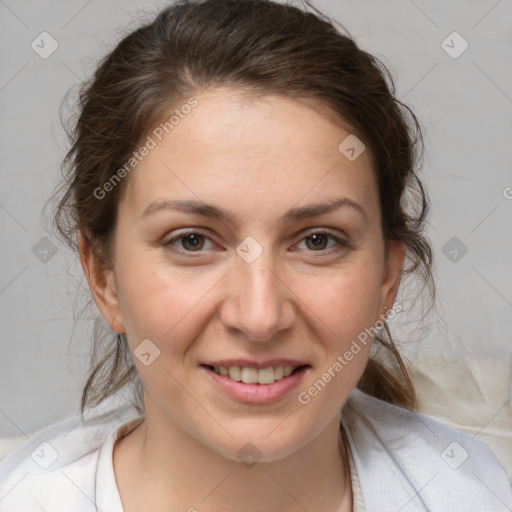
(227, 363)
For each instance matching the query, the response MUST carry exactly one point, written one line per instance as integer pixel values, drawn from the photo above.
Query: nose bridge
(261, 303)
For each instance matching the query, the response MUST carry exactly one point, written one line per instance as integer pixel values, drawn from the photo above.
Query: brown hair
(260, 47)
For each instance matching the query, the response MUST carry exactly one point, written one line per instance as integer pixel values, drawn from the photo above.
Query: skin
(258, 159)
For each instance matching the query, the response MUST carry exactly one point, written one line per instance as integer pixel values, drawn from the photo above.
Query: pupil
(317, 239)
(193, 240)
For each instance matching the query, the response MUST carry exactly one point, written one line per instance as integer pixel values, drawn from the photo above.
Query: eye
(194, 242)
(316, 242)
(189, 242)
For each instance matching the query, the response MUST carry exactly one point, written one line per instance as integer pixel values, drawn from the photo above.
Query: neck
(168, 466)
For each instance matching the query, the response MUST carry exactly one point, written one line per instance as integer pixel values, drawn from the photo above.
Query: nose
(259, 301)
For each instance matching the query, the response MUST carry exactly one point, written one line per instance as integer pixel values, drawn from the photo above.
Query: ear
(392, 274)
(102, 284)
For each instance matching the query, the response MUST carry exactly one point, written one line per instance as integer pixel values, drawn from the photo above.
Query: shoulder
(55, 469)
(411, 459)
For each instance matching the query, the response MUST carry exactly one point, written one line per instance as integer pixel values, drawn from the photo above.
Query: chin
(259, 443)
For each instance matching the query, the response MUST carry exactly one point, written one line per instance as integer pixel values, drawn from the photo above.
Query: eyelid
(324, 231)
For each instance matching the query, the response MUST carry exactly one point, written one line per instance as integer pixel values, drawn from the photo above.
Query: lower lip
(257, 393)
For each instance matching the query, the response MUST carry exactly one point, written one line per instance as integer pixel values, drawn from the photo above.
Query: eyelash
(342, 244)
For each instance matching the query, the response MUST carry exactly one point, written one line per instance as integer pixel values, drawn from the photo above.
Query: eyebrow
(215, 212)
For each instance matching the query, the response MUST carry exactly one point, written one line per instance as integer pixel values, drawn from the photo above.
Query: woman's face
(270, 286)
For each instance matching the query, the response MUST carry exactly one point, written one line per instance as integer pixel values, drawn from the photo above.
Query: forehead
(271, 150)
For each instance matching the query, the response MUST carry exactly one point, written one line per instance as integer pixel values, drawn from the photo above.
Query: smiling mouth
(249, 375)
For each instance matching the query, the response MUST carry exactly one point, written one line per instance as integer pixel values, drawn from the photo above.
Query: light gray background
(464, 105)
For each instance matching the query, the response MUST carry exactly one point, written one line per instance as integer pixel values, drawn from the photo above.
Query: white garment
(404, 462)
(357, 493)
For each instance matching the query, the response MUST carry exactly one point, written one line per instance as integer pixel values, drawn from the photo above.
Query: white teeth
(235, 373)
(266, 376)
(250, 375)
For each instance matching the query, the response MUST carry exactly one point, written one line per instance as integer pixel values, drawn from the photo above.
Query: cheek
(164, 307)
(342, 308)
(161, 302)
(346, 299)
